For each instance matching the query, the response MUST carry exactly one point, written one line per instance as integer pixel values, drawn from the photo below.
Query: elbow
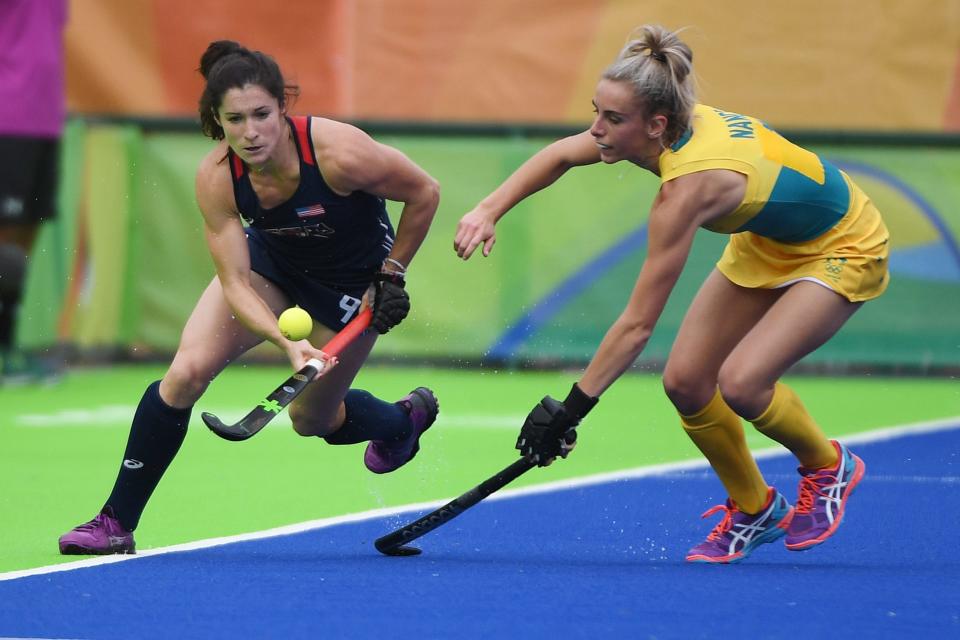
(422, 205)
(426, 197)
(433, 193)
(233, 289)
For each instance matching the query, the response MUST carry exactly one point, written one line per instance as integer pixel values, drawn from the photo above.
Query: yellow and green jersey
(792, 194)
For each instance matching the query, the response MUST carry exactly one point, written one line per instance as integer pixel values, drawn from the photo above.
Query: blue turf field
(600, 560)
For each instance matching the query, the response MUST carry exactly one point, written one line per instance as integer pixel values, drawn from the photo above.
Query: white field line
(877, 435)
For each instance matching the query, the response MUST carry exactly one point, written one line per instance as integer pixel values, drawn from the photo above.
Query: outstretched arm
(670, 238)
(540, 171)
(550, 429)
(681, 206)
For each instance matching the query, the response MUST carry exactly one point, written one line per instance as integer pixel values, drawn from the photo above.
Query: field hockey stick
(393, 543)
(283, 395)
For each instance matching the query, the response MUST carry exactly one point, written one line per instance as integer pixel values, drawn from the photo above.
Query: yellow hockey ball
(295, 324)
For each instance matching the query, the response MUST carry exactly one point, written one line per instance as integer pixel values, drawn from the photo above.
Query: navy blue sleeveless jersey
(320, 248)
(338, 241)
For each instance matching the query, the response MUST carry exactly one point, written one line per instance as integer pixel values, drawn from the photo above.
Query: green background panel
(147, 261)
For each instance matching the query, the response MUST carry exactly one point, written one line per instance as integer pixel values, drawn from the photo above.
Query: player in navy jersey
(312, 191)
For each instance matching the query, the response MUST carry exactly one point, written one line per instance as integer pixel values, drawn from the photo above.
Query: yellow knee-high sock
(787, 421)
(717, 432)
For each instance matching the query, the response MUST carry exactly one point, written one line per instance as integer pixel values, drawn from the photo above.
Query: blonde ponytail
(659, 66)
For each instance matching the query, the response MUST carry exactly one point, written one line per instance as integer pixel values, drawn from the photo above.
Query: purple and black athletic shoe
(101, 536)
(382, 456)
(739, 533)
(822, 499)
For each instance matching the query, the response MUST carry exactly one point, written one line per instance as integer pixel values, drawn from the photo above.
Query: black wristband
(578, 403)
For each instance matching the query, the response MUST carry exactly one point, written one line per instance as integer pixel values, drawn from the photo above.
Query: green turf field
(60, 447)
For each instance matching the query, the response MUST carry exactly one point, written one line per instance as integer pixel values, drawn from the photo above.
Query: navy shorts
(329, 304)
(29, 170)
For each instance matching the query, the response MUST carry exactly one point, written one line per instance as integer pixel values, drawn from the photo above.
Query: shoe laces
(724, 525)
(811, 487)
(92, 524)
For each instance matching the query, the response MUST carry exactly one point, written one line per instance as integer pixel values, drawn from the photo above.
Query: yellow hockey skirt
(851, 258)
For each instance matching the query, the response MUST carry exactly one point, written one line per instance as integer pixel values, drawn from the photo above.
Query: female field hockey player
(806, 249)
(312, 191)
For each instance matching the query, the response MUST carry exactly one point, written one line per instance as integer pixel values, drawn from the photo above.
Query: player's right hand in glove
(550, 429)
(390, 303)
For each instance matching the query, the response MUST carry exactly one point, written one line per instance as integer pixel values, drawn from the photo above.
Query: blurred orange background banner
(840, 64)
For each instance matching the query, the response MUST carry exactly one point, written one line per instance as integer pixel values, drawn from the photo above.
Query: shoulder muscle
(214, 185)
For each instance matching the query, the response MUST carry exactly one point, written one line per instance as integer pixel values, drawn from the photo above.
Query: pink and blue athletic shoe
(101, 536)
(383, 456)
(738, 534)
(822, 498)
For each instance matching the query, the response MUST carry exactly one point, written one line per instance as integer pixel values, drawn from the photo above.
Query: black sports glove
(390, 303)
(550, 429)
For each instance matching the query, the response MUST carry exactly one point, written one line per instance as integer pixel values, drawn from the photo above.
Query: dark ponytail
(229, 65)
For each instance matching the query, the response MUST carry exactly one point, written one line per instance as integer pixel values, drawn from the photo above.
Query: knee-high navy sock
(155, 437)
(370, 419)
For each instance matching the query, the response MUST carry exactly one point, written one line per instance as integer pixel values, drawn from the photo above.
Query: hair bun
(216, 52)
(636, 48)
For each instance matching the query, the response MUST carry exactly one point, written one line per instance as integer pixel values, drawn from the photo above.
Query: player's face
(252, 123)
(620, 129)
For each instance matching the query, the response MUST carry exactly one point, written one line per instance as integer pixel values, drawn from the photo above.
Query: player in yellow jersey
(806, 249)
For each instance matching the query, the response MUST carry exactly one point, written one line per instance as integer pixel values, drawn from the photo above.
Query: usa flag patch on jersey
(311, 212)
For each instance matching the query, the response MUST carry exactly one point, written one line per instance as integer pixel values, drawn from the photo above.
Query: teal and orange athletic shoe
(822, 499)
(739, 533)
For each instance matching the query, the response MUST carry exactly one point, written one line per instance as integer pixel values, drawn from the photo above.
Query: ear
(656, 126)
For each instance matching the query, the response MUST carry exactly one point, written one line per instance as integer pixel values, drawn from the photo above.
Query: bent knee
(741, 390)
(312, 428)
(308, 425)
(688, 391)
(185, 381)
